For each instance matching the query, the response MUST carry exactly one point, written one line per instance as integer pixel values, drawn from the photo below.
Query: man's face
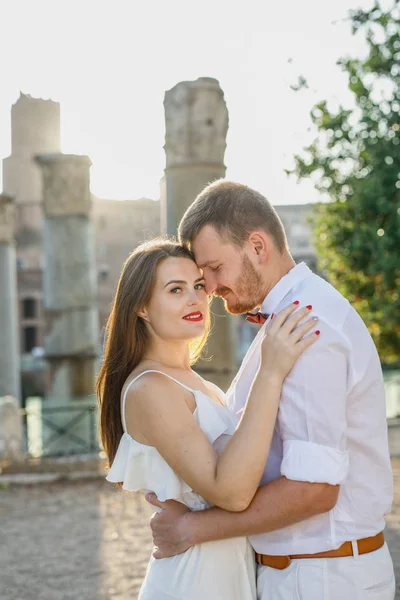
(229, 272)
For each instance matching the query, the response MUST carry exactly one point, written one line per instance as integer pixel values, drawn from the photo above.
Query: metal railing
(53, 431)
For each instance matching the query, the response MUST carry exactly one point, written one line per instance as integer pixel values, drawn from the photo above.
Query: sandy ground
(88, 540)
(70, 541)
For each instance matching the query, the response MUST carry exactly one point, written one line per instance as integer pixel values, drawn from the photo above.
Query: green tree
(355, 161)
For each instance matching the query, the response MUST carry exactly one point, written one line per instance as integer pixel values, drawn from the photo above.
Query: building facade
(119, 225)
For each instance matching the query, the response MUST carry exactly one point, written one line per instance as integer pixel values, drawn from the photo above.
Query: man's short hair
(234, 210)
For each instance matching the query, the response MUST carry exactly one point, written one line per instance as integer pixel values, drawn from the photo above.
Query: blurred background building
(120, 225)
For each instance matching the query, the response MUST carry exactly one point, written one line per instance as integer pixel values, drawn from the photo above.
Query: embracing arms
(230, 481)
(276, 505)
(313, 428)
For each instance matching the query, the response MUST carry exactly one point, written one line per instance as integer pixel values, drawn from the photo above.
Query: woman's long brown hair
(126, 335)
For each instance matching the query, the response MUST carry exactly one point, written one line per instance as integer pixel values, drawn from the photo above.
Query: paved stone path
(87, 540)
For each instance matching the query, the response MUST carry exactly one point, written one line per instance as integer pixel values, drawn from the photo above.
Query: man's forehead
(206, 234)
(208, 246)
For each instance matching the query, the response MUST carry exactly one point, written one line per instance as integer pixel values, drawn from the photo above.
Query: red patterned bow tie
(257, 317)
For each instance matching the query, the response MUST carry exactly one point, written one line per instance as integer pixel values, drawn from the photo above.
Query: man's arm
(276, 505)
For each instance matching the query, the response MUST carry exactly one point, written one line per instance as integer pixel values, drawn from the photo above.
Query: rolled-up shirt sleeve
(312, 414)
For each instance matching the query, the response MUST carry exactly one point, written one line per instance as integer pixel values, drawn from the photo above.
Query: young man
(316, 521)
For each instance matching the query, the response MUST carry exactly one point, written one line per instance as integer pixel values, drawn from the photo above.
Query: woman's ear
(143, 314)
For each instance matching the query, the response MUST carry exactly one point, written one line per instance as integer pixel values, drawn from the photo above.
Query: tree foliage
(355, 161)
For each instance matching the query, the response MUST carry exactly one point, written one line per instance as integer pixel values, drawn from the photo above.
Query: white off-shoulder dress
(222, 570)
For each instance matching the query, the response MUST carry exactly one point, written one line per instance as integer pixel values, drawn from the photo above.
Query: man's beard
(247, 290)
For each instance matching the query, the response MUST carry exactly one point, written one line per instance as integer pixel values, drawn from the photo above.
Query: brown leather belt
(369, 544)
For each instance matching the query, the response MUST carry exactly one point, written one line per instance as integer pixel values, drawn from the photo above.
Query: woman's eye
(175, 290)
(199, 286)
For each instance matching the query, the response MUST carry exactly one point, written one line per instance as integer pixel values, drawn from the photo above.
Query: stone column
(11, 432)
(71, 338)
(9, 343)
(196, 119)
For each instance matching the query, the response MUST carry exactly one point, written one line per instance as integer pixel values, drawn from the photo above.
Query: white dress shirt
(331, 426)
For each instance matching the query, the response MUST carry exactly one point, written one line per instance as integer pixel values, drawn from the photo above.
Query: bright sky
(109, 63)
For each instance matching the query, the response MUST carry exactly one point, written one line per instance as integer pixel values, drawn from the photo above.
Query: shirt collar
(283, 287)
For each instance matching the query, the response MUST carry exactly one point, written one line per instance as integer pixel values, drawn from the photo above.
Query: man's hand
(169, 527)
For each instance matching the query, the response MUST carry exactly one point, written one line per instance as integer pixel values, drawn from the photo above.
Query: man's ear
(259, 245)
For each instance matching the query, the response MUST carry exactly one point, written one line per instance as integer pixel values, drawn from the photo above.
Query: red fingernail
(309, 307)
(317, 332)
(296, 302)
(272, 316)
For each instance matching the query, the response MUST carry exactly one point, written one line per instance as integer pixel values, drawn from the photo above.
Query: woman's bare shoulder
(143, 383)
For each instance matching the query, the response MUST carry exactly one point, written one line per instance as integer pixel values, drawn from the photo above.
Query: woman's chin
(196, 330)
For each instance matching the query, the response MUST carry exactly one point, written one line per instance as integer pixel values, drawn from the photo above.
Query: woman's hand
(283, 343)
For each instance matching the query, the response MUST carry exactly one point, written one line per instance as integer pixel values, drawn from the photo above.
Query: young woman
(166, 429)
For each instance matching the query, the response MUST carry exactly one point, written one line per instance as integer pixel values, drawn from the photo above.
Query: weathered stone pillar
(11, 436)
(71, 338)
(9, 344)
(196, 120)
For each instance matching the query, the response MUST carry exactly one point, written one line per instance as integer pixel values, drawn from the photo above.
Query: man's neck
(282, 265)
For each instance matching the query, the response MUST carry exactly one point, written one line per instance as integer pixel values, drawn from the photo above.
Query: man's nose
(209, 285)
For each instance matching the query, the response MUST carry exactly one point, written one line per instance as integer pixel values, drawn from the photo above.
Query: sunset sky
(109, 64)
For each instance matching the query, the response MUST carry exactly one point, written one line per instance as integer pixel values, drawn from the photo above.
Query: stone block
(11, 432)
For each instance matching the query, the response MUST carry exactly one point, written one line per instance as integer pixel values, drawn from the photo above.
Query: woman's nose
(193, 298)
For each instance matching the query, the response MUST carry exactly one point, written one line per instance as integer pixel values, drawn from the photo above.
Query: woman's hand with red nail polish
(285, 340)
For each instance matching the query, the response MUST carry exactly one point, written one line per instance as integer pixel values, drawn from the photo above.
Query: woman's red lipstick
(194, 316)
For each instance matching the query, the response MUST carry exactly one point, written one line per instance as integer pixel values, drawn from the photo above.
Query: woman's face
(178, 308)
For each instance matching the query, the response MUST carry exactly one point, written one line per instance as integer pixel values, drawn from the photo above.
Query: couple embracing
(277, 489)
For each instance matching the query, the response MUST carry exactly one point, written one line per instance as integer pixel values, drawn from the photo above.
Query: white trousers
(365, 577)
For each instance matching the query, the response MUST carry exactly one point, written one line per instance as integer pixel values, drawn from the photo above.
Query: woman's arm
(230, 481)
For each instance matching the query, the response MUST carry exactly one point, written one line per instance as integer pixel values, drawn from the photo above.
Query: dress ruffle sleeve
(140, 467)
